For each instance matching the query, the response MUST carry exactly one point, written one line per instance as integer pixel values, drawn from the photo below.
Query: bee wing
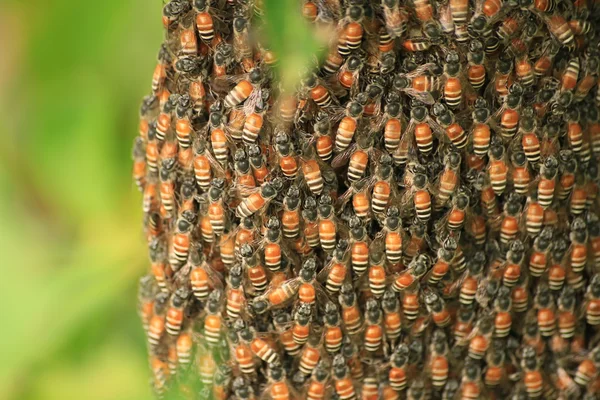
(237, 191)
(437, 129)
(407, 138)
(252, 101)
(423, 97)
(341, 159)
(420, 70)
(481, 295)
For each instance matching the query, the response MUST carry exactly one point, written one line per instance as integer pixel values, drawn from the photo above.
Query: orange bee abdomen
(423, 205)
(139, 173)
(448, 182)
(381, 196)
(410, 306)
(333, 339)
(503, 323)
(542, 66)
(239, 93)
(354, 34)
(251, 204)
(181, 247)
(422, 83)
(263, 350)
(199, 281)
(423, 10)
(377, 279)
(457, 135)
(481, 139)
(533, 383)
(491, 7)
(577, 203)
(310, 11)
(475, 162)
(311, 231)
(282, 294)
(468, 290)
(357, 165)
(280, 391)
(272, 256)
(498, 172)
(252, 128)
(307, 293)
(509, 121)
(520, 297)
(243, 356)
(546, 321)
(546, 192)
(360, 257)
(373, 338)
(212, 329)
(439, 371)
(346, 79)
(511, 275)
(585, 372)
(321, 96)
(575, 136)
(152, 157)
(503, 83)
(289, 166)
(524, 72)
(453, 92)
(216, 214)
(478, 346)
(521, 180)
(361, 204)
(537, 264)
(393, 247)
(592, 312)
(345, 133)
(391, 134)
(476, 75)
(345, 388)
(442, 318)
(309, 359)
(188, 42)
(159, 76)
(327, 234)
(424, 138)
(509, 229)
(235, 299)
(578, 257)
(566, 325)
(456, 219)
(559, 27)
(219, 145)
(205, 25)
(258, 278)
(313, 177)
(324, 145)
(156, 329)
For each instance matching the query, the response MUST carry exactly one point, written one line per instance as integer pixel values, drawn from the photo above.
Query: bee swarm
(417, 219)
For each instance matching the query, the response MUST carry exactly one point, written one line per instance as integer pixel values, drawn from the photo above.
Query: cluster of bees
(417, 219)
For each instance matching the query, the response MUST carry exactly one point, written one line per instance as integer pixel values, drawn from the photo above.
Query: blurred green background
(72, 74)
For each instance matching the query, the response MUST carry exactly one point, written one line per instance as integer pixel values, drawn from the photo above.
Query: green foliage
(71, 242)
(291, 39)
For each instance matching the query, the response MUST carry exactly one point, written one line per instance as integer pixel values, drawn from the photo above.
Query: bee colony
(418, 219)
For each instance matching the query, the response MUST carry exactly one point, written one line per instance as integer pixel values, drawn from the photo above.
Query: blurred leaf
(291, 38)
